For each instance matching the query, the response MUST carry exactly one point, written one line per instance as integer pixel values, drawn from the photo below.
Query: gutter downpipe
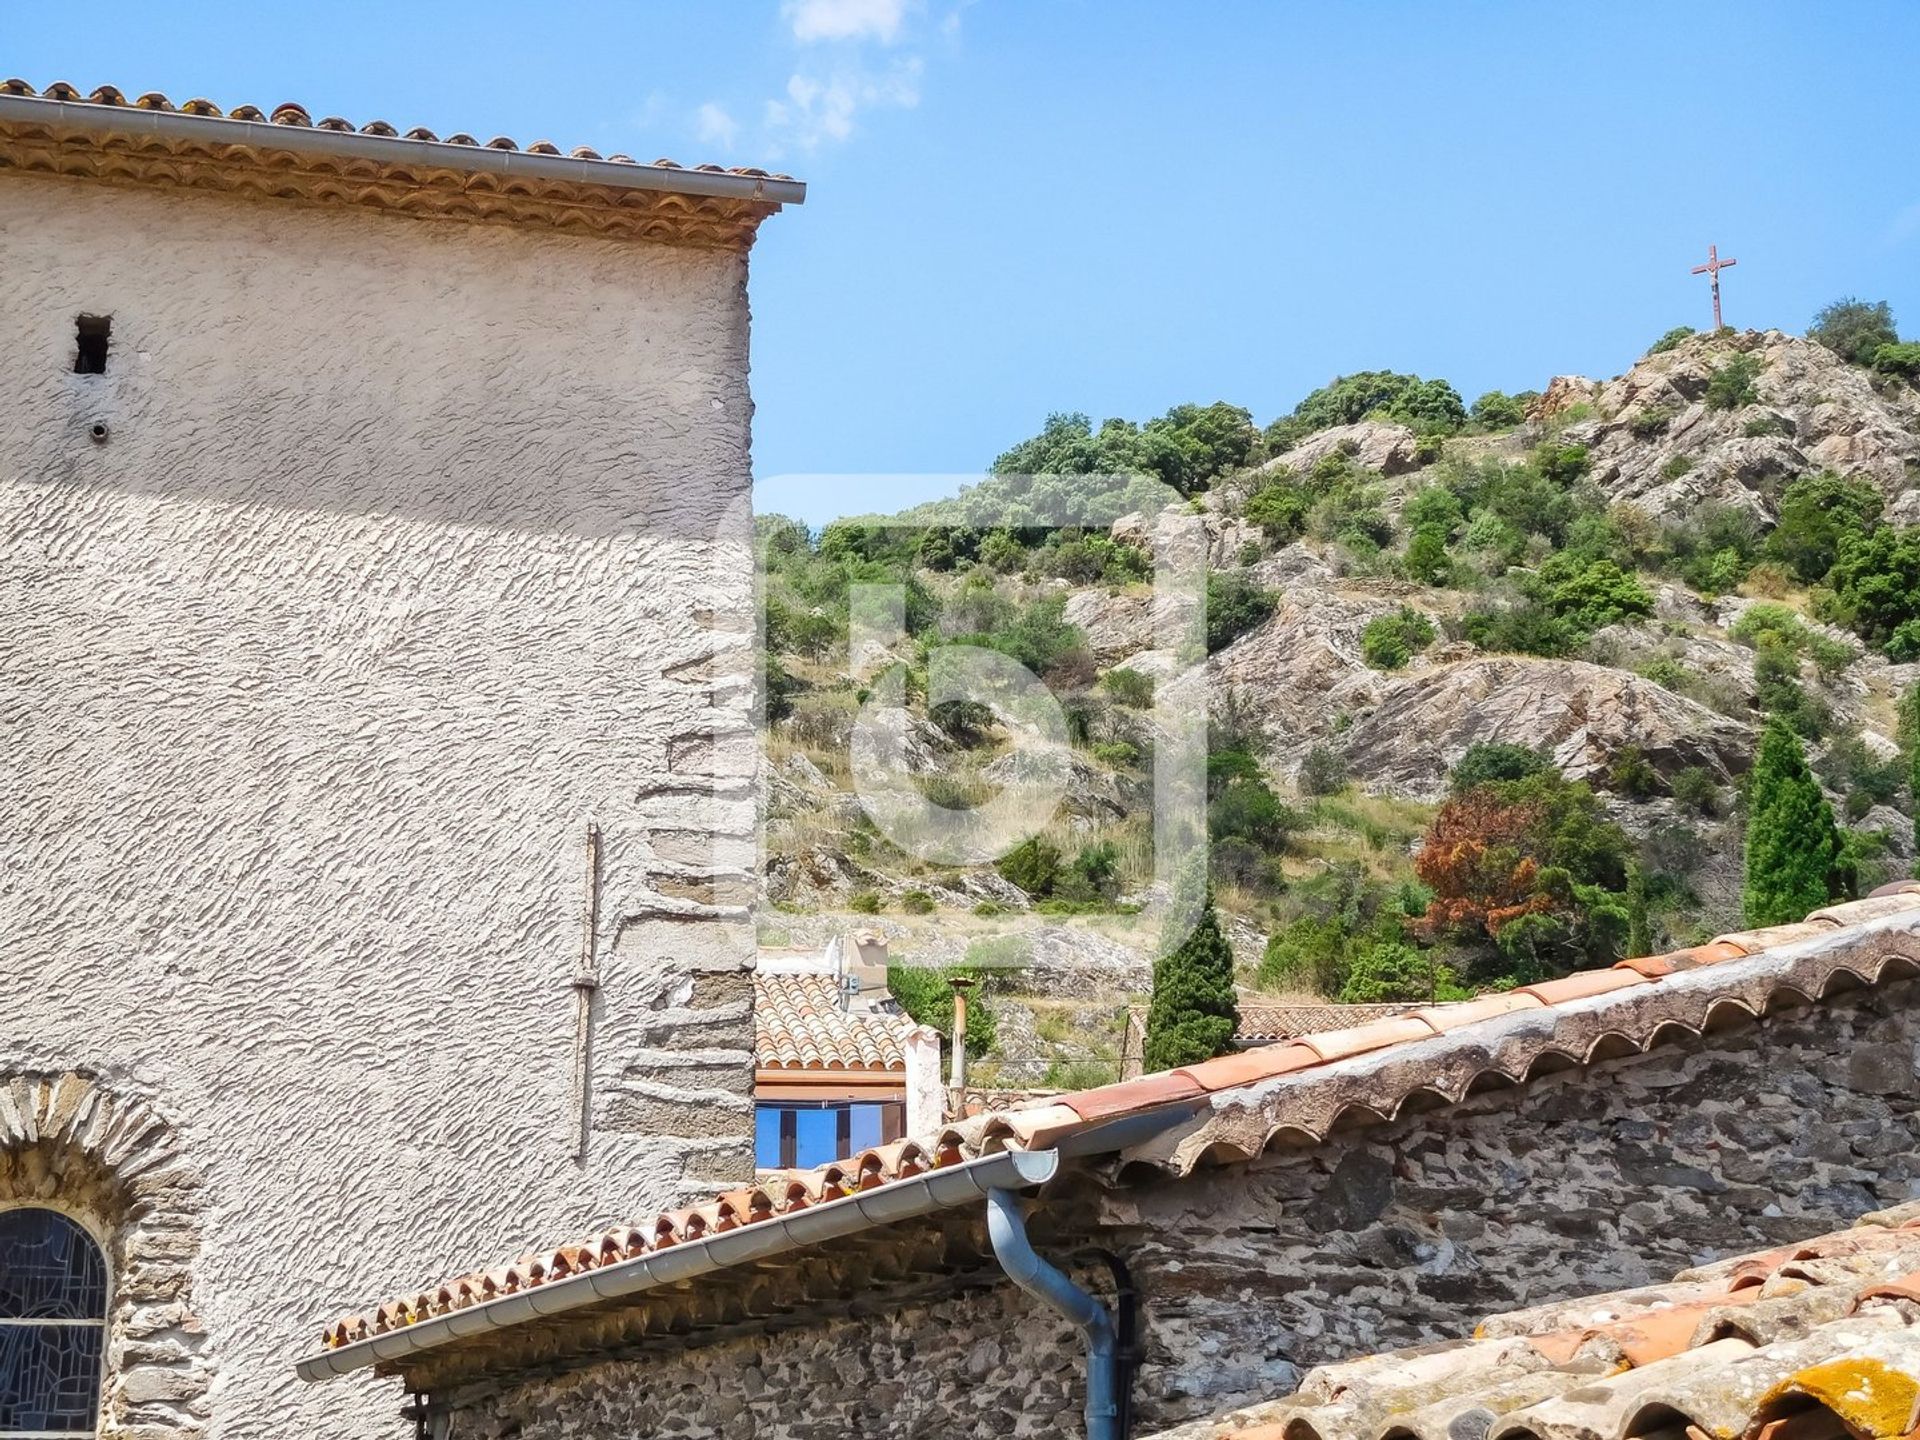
(1007, 1228)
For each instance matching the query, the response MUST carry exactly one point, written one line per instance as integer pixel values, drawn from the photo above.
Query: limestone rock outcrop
(1580, 715)
(1656, 441)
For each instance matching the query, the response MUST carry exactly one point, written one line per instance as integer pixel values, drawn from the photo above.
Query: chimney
(958, 1082)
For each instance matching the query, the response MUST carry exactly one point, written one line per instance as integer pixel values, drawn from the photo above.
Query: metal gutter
(887, 1204)
(397, 150)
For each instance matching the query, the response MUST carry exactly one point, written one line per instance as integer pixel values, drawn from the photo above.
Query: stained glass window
(53, 1307)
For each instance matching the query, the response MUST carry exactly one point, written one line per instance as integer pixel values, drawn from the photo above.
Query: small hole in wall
(91, 331)
(97, 432)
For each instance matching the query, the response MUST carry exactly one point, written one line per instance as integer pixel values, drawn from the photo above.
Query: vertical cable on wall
(586, 980)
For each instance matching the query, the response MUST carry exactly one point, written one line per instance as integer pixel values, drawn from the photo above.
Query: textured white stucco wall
(397, 564)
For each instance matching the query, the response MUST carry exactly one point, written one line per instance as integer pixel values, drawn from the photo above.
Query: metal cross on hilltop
(1713, 267)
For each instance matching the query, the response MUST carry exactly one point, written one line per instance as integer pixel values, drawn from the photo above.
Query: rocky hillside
(1623, 578)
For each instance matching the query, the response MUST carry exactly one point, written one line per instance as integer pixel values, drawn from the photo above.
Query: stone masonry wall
(385, 556)
(1393, 1235)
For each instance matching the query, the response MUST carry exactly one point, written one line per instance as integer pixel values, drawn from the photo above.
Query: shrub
(1671, 340)
(1350, 513)
(1526, 628)
(1676, 467)
(1235, 605)
(1776, 679)
(1487, 761)
(865, 902)
(1119, 754)
(1562, 465)
(1323, 771)
(1425, 405)
(1497, 410)
(1429, 561)
(1731, 385)
(1389, 641)
(1854, 329)
(1651, 421)
(1033, 865)
(1794, 855)
(1763, 425)
(1391, 970)
(1898, 359)
(1589, 594)
(1695, 788)
(1858, 773)
(1530, 869)
(1129, 688)
(917, 902)
(1435, 506)
(1876, 586)
(1633, 775)
(1247, 810)
(1279, 506)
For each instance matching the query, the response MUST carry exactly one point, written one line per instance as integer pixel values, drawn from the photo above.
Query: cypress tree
(1193, 1014)
(1639, 931)
(1795, 858)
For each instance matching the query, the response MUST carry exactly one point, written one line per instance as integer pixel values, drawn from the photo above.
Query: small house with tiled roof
(1221, 1247)
(838, 1067)
(374, 626)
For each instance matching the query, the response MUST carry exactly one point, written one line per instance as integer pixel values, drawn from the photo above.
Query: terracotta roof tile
(1261, 1063)
(289, 113)
(798, 1024)
(1583, 985)
(1656, 1363)
(1234, 1106)
(1165, 1087)
(1471, 1012)
(1260, 1020)
(1333, 1045)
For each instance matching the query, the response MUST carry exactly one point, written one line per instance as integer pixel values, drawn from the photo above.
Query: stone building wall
(1392, 1235)
(385, 555)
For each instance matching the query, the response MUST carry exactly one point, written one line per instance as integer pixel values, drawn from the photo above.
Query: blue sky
(1020, 206)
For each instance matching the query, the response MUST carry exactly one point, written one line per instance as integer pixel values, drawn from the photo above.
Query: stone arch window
(53, 1324)
(106, 1210)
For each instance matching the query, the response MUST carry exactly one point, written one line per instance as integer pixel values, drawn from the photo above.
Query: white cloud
(845, 19)
(818, 110)
(716, 125)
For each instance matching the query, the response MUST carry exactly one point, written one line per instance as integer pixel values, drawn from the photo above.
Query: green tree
(1854, 329)
(1876, 585)
(927, 997)
(1818, 515)
(1192, 1016)
(1426, 405)
(1498, 410)
(1794, 851)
